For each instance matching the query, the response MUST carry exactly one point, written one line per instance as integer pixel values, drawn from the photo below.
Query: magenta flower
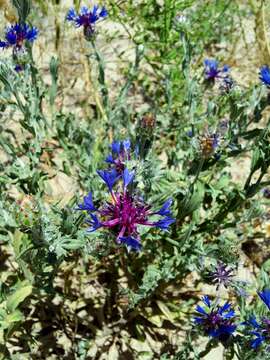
(125, 211)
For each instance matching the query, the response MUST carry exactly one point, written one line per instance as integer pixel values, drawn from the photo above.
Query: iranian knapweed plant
(184, 213)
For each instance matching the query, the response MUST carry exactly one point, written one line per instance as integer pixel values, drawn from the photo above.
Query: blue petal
(128, 177)
(229, 315)
(3, 44)
(165, 210)
(265, 296)
(103, 12)
(201, 310)
(131, 243)
(212, 64)
(214, 333)
(95, 9)
(32, 34)
(109, 159)
(87, 203)
(258, 341)
(198, 320)
(116, 147)
(109, 177)
(224, 308)
(126, 145)
(164, 223)
(94, 222)
(253, 322)
(206, 300)
(11, 37)
(264, 75)
(71, 15)
(84, 10)
(229, 329)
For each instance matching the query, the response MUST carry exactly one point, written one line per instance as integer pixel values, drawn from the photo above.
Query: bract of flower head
(87, 18)
(212, 71)
(16, 35)
(208, 143)
(264, 75)
(260, 328)
(215, 320)
(124, 211)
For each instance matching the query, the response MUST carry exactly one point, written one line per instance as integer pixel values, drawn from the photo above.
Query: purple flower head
(264, 75)
(216, 321)
(87, 18)
(16, 36)
(260, 329)
(212, 71)
(222, 275)
(120, 154)
(124, 212)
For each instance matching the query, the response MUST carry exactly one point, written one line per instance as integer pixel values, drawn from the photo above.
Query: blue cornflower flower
(262, 328)
(125, 212)
(212, 71)
(216, 321)
(87, 18)
(16, 36)
(264, 75)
